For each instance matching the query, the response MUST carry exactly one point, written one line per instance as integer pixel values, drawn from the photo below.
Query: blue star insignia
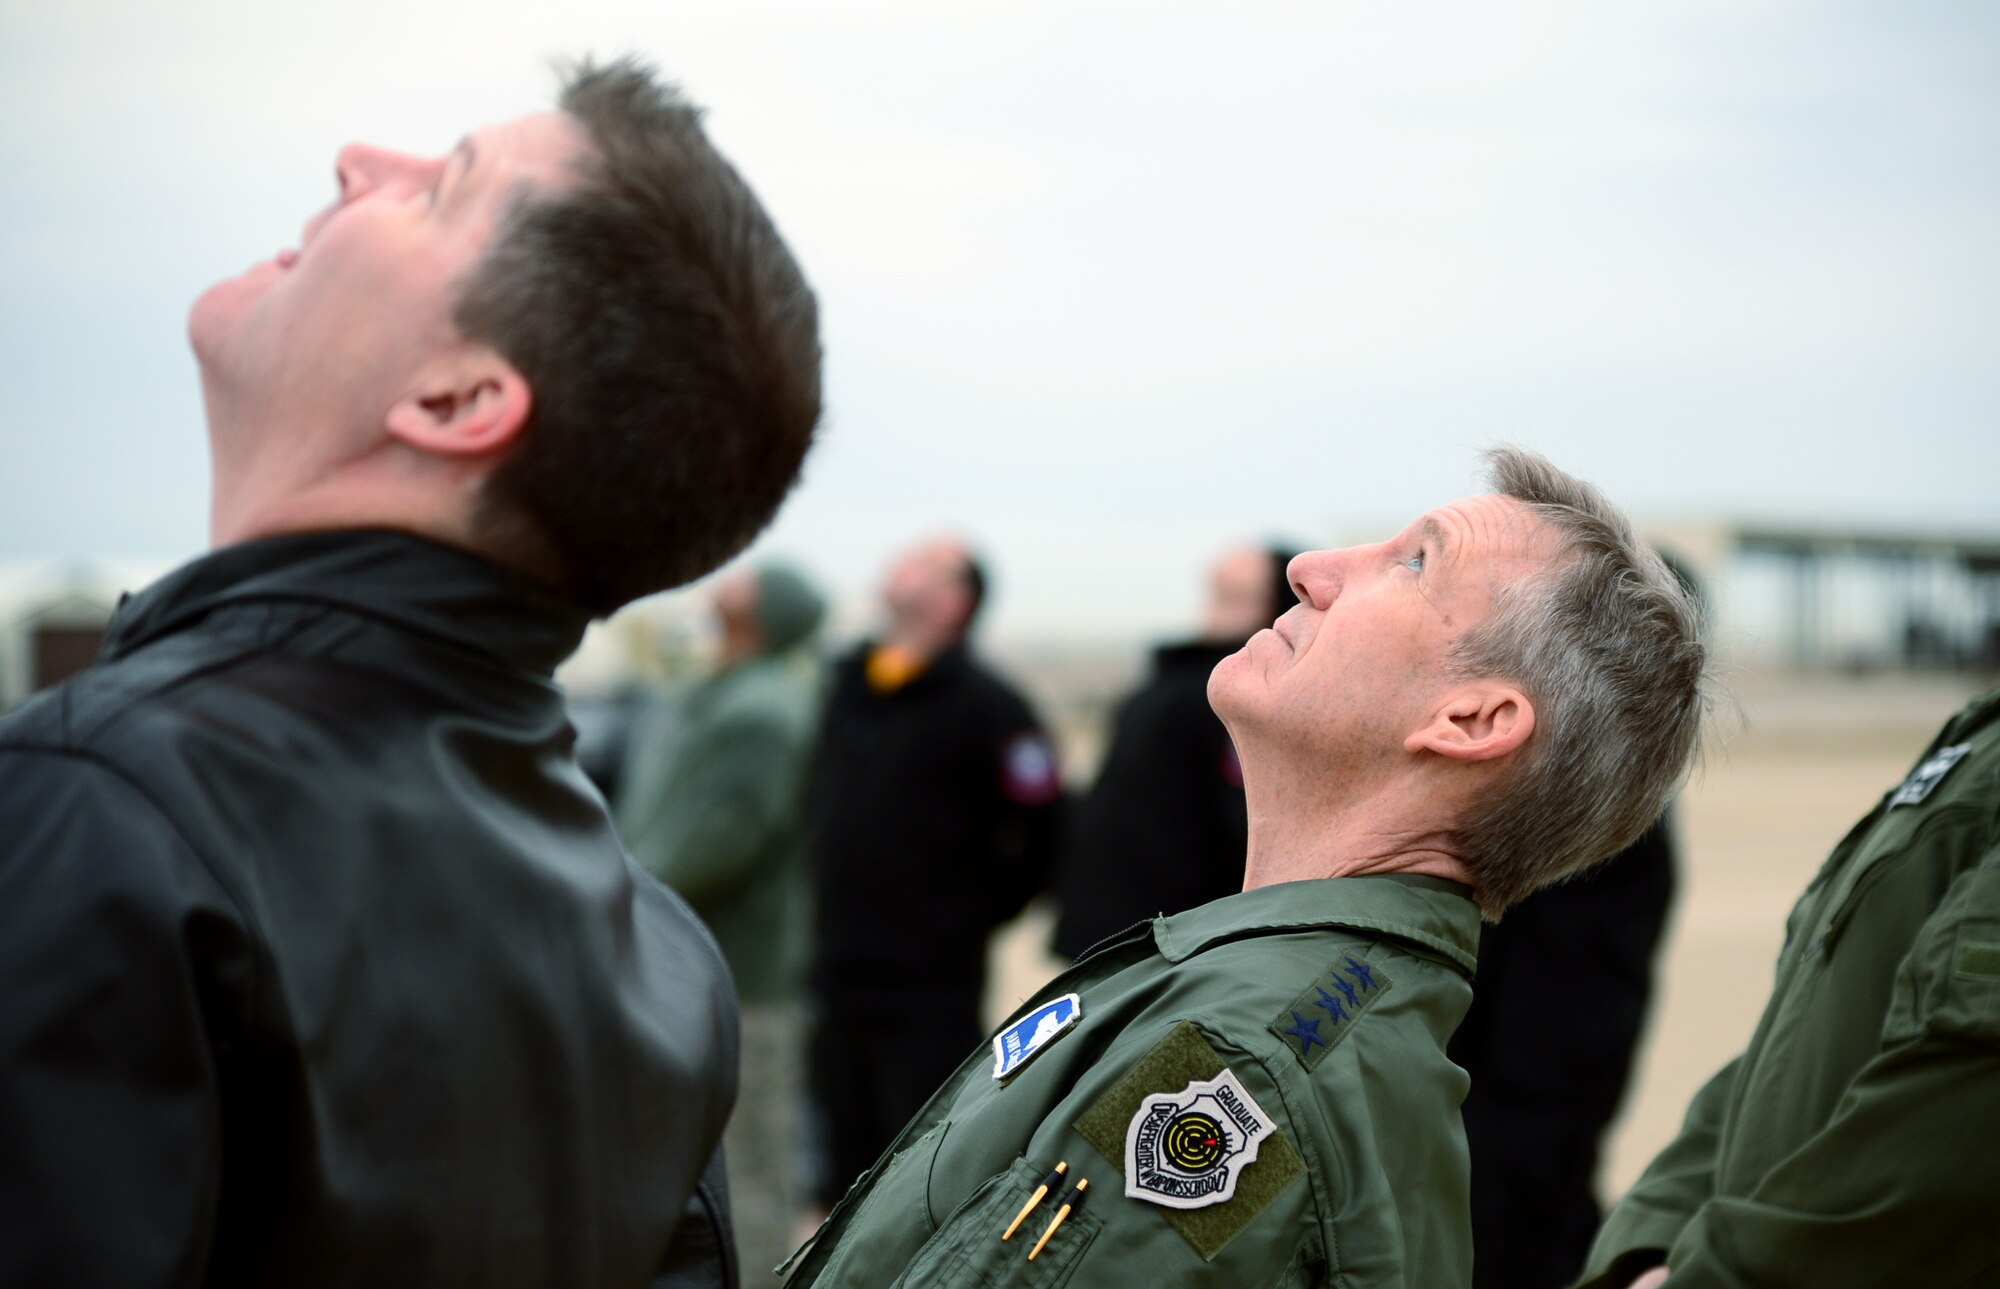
(1361, 973)
(1331, 1005)
(1347, 992)
(1306, 1031)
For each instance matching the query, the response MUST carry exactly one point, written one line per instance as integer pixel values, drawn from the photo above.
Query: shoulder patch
(1322, 1015)
(1184, 1149)
(1189, 1138)
(1016, 1045)
(1928, 775)
(1028, 770)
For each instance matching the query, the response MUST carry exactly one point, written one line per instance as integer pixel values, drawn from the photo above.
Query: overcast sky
(1110, 285)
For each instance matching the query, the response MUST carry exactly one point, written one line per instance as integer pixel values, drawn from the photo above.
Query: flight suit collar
(1428, 912)
(413, 582)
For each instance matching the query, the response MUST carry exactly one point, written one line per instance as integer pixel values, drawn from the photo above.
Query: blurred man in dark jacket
(1162, 830)
(322, 963)
(1547, 1081)
(936, 814)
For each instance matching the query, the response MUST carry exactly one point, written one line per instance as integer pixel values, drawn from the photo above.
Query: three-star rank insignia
(1321, 1016)
(1191, 1139)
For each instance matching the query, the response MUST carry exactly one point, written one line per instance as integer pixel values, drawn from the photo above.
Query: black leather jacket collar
(411, 581)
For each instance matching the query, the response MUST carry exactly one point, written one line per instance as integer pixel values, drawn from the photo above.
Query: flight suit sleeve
(1681, 1178)
(719, 812)
(1887, 1192)
(109, 1122)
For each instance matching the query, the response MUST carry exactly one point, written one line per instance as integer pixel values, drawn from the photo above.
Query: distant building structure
(52, 618)
(1833, 596)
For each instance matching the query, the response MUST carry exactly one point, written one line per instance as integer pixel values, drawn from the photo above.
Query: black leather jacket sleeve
(109, 1120)
(703, 1253)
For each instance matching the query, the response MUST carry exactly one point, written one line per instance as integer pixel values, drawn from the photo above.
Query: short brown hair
(670, 342)
(1608, 646)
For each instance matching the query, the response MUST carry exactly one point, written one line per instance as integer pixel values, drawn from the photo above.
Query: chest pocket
(1895, 832)
(967, 1251)
(1950, 983)
(892, 1220)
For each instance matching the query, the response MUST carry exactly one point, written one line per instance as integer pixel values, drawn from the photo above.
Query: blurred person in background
(1256, 1092)
(1547, 1081)
(1545, 1085)
(936, 815)
(1853, 1141)
(1162, 829)
(323, 963)
(713, 805)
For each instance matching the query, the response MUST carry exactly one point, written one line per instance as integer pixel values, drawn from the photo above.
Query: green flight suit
(1326, 1004)
(713, 804)
(1857, 1140)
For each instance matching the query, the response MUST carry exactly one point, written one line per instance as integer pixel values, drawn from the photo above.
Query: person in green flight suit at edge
(1857, 1139)
(1255, 1092)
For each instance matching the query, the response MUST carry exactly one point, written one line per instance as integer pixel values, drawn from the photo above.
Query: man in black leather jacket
(319, 960)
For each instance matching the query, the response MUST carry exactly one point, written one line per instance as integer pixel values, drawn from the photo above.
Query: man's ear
(1480, 723)
(467, 402)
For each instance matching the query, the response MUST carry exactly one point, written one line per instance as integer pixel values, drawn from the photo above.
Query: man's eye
(1415, 563)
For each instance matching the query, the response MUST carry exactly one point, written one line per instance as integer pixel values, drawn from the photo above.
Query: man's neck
(1288, 843)
(386, 490)
(919, 641)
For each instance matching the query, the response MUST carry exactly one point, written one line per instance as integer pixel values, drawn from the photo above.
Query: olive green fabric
(713, 804)
(1853, 1142)
(1182, 1057)
(1363, 1184)
(1979, 960)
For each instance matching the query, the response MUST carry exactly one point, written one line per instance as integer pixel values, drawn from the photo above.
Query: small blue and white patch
(1928, 776)
(1016, 1045)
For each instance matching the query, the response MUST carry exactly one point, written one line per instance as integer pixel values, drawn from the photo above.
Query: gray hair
(1608, 647)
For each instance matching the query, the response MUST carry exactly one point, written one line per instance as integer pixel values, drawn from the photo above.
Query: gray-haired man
(1256, 1092)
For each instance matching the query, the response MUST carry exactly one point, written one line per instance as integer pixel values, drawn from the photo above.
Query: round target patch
(1194, 1142)
(1186, 1149)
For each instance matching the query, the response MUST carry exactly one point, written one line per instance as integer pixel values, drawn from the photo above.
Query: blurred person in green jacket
(1856, 1142)
(1255, 1092)
(711, 804)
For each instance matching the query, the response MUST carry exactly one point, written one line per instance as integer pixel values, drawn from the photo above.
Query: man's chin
(216, 314)
(217, 311)
(1225, 684)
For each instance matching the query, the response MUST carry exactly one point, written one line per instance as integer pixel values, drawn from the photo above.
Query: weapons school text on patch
(1184, 1149)
(1169, 1101)
(1322, 1015)
(1928, 776)
(1015, 1045)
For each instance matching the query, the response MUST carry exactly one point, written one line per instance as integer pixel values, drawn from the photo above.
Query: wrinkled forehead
(1495, 527)
(1481, 544)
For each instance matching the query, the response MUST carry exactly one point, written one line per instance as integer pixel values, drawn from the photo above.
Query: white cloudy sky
(1111, 284)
